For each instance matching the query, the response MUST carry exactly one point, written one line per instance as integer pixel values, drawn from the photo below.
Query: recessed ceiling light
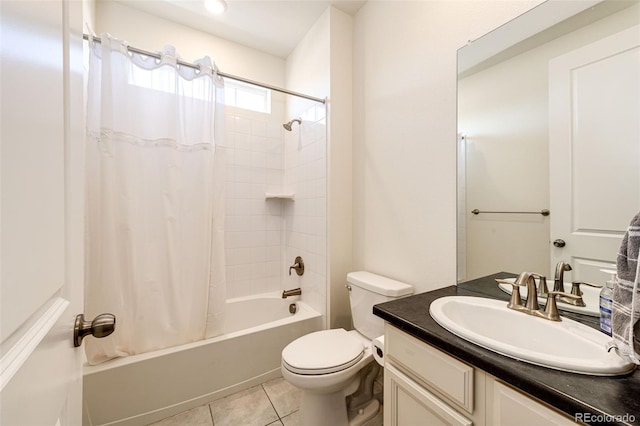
(215, 6)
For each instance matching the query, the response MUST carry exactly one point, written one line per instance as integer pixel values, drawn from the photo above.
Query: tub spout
(292, 292)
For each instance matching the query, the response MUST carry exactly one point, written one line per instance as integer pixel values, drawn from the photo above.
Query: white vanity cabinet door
(409, 404)
(512, 408)
(441, 372)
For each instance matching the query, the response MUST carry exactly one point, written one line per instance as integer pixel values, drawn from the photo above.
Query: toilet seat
(322, 352)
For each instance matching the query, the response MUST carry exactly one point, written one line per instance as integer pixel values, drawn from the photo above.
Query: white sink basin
(566, 345)
(590, 295)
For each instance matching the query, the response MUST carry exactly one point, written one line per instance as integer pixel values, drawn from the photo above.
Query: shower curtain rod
(220, 73)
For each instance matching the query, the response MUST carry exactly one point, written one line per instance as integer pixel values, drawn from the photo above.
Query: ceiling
(271, 26)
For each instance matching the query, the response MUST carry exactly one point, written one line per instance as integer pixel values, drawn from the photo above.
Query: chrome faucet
(292, 292)
(558, 282)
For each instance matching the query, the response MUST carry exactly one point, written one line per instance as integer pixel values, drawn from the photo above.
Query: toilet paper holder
(379, 352)
(377, 345)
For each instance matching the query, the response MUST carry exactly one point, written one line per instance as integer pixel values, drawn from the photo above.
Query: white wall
(89, 13)
(503, 111)
(307, 67)
(321, 65)
(404, 141)
(340, 155)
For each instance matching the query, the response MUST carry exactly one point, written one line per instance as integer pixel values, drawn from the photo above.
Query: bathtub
(141, 389)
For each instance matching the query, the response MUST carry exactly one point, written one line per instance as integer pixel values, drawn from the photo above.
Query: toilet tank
(367, 289)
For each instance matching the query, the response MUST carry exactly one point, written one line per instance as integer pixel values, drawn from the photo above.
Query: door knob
(559, 243)
(101, 326)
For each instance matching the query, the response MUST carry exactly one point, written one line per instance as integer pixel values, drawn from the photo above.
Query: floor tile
(292, 419)
(199, 416)
(255, 407)
(284, 396)
(250, 407)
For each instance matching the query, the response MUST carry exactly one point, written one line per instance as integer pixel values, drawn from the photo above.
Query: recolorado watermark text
(604, 418)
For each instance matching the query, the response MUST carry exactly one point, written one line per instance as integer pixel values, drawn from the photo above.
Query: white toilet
(331, 365)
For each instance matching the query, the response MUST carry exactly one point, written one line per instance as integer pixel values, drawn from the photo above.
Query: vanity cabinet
(426, 386)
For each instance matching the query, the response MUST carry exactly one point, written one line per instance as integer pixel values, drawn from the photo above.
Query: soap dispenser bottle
(606, 302)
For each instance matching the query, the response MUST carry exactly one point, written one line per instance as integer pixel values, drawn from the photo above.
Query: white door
(594, 105)
(42, 209)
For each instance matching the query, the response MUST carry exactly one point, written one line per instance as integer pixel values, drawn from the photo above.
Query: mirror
(540, 127)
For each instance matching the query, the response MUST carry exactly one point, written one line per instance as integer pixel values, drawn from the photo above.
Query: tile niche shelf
(280, 196)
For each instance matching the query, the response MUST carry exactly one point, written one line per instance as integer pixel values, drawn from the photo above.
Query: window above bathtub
(247, 96)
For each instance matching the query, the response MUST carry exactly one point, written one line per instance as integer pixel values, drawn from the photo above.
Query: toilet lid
(322, 352)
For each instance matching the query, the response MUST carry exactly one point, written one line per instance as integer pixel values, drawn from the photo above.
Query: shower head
(288, 125)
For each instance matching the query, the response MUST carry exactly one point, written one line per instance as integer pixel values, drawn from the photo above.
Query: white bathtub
(141, 389)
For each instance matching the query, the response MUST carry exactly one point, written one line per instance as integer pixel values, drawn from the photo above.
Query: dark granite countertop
(603, 398)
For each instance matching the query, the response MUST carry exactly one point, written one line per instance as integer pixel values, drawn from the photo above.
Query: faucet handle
(575, 287)
(516, 300)
(575, 290)
(551, 307)
(515, 283)
(298, 266)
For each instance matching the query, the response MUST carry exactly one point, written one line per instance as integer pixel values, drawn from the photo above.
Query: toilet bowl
(326, 385)
(331, 365)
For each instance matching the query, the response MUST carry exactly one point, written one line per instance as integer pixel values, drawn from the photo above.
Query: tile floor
(275, 402)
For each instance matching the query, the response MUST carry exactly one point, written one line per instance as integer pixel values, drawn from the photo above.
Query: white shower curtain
(155, 214)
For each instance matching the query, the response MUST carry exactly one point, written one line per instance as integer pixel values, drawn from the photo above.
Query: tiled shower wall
(253, 228)
(263, 236)
(305, 173)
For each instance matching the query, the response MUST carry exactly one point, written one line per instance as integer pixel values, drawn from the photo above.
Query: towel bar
(544, 212)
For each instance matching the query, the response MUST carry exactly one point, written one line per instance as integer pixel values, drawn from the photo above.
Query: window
(236, 93)
(247, 96)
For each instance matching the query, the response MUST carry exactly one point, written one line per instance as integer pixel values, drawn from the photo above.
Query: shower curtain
(155, 215)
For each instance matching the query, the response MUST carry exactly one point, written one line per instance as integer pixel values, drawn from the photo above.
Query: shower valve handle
(298, 266)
